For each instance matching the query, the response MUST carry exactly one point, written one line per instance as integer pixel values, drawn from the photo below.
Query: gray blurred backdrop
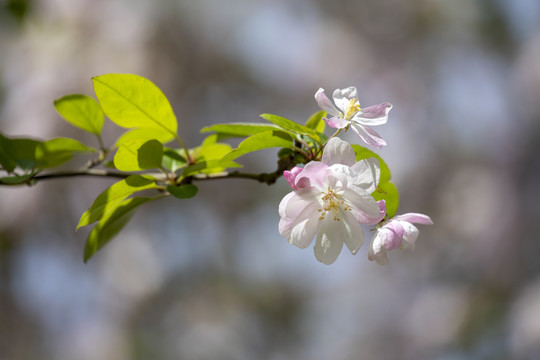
(210, 277)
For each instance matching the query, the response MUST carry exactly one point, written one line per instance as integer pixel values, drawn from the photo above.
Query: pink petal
(290, 176)
(312, 175)
(373, 115)
(324, 103)
(337, 122)
(369, 136)
(338, 151)
(392, 234)
(415, 218)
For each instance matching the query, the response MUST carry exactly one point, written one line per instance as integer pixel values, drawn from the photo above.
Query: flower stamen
(352, 109)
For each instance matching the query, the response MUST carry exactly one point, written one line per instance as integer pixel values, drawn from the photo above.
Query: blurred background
(210, 277)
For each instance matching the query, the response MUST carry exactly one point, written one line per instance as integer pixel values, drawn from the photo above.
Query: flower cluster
(332, 198)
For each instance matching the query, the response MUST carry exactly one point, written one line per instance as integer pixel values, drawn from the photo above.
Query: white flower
(396, 233)
(331, 200)
(347, 112)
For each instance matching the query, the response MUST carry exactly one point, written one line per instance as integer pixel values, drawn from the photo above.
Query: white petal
(296, 203)
(368, 135)
(368, 173)
(284, 202)
(338, 151)
(302, 234)
(329, 241)
(410, 234)
(354, 233)
(324, 103)
(376, 252)
(342, 97)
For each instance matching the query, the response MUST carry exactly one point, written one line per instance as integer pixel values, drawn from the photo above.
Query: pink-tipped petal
(338, 151)
(373, 115)
(382, 210)
(363, 206)
(324, 103)
(368, 135)
(336, 122)
(415, 218)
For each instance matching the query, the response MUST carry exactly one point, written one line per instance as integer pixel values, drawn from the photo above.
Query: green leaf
(263, 140)
(388, 192)
(8, 160)
(213, 151)
(316, 121)
(15, 180)
(132, 101)
(289, 125)
(364, 153)
(139, 154)
(173, 159)
(57, 151)
(143, 133)
(19, 152)
(239, 129)
(185, 191)
(110, 199)
(111, 224)
(81, 111)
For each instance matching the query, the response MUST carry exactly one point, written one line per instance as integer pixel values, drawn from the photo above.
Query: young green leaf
(139, 154)
(316, 121)
(263, 140)
(363, 153)
(132, 101)
(388, 192)
(185, 191)
(173, 159)
(81, 111)
(57, 151)
(239, 129)
(110, 199)
(143, 133)
(111, 224)
(289, 125)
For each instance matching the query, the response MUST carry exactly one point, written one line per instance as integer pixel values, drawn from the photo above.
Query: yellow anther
(352, 109)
